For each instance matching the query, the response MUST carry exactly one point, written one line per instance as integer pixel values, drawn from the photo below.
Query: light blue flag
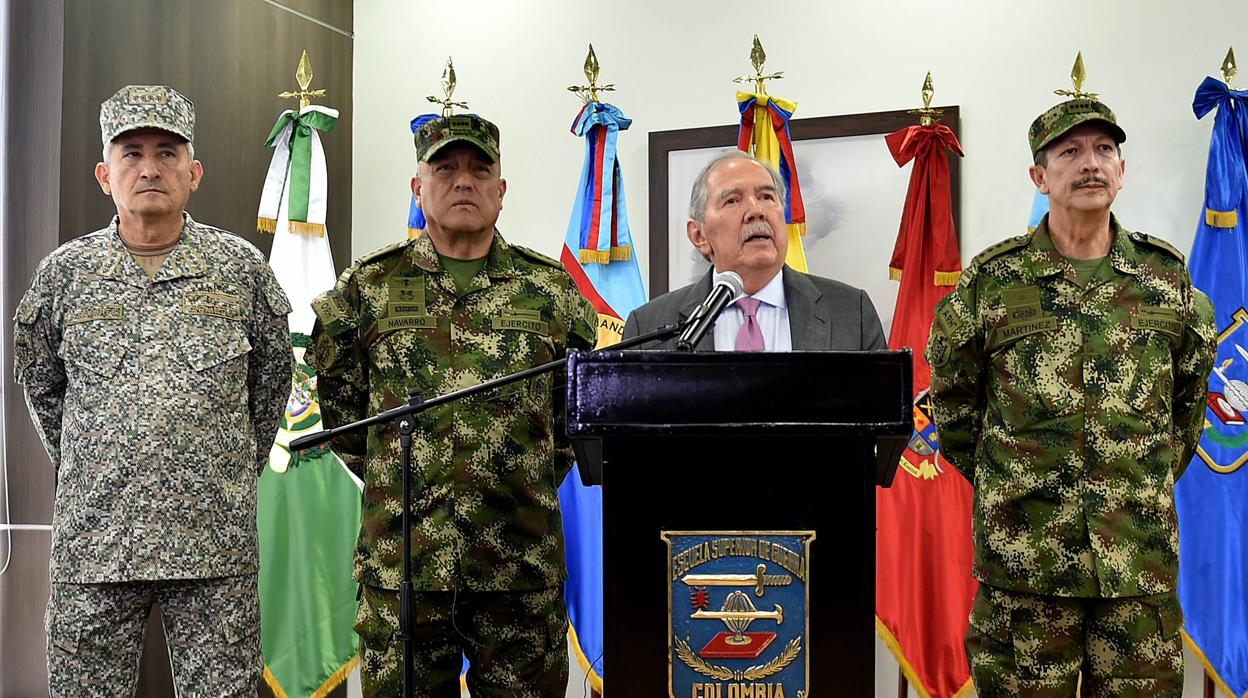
(598, 253)
(1039, 207)
(1212, 495)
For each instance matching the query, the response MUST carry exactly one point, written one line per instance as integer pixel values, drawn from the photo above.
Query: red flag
(924, 586)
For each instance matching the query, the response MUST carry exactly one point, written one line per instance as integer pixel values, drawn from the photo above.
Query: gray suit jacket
(823, 314)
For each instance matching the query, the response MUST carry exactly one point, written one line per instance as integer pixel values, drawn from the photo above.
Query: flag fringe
(274, 686)
(621, 253)
(413, 233)
(266, 225)
(334, 681)
(315, 230)
(947, 278)
(1213, 673)
(1221, 219)
(893, 646)
(338, 677)
(594, 679)
(894, 274)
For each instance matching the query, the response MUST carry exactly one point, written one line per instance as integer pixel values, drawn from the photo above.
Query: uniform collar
(499, 263)
(1044, 259)
(186, 258)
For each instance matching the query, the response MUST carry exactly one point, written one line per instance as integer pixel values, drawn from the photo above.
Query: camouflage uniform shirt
(485, 500)
(1073, 410)
(157, 400)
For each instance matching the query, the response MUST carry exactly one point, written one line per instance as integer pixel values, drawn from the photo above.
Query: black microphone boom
(725, 288)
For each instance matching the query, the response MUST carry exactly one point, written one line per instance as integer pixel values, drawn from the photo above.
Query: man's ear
(197, 174)
(416, 189)
(1037, 178)
(696, 236)
(101, 176)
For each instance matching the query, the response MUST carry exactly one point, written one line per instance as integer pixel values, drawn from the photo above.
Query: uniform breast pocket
(219, 361)
(92, 351)
(1035, 369)
(1153, 386)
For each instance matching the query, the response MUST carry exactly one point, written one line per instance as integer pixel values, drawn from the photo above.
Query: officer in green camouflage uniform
(451, 309)
(156, 362)
(1068, 382)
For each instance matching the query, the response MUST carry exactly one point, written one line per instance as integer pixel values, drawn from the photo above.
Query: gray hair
(698, 197)
(190, 150)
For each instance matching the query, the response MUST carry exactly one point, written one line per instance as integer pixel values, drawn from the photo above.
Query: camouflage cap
(1061, 118)
(147, 106)
(466, 128)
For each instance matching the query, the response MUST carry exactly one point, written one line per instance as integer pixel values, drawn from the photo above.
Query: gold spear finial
(1077, 75)
(589, 93)
(758, 58)
(1228, 66)
(448, 89)
(303, 76)
(927, 115)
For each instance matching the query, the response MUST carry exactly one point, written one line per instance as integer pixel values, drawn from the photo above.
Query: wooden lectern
(739, 514)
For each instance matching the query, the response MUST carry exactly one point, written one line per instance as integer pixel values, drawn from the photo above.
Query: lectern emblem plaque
(737, 613)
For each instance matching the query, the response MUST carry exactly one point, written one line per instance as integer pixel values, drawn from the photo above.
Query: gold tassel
(894, 274)
(414, 233)
(336, 680)
(1221, 219)
(947, 278)
(315, 230)
(622, 253)
(274, 686)
(595, 256)
(266, 225)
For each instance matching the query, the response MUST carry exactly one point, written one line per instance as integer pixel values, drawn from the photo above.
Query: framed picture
(853, 190)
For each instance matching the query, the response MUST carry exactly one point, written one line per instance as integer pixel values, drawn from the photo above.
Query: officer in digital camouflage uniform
(1068, 380)
(449, 310)
(156, 361)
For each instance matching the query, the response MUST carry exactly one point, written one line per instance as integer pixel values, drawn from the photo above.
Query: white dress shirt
(773, 319)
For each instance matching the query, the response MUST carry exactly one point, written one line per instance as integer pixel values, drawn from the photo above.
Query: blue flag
(1212, 496)
(1039, 207)
(598, 253)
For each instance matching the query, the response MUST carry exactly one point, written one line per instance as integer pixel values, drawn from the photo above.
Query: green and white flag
(308, 516)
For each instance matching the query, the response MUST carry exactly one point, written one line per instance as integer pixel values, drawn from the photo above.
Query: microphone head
(731, 279)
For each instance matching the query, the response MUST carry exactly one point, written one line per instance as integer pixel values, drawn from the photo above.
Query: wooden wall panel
(27, 233)
(231, 57)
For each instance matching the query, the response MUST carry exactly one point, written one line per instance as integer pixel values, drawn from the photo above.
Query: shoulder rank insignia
(738, 622)
(535, 256)
(1008, 245)
(1158, 243)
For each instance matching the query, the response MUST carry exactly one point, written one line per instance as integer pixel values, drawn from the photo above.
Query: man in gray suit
(736, 220)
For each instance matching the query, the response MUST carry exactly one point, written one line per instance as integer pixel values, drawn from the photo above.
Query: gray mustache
(760, 228)
(1088, 179)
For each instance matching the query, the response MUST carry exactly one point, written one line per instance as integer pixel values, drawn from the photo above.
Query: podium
(739, 514)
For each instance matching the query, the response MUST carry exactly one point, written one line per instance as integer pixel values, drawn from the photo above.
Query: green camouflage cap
(147, 106)
(1061, 118)
(467, 128)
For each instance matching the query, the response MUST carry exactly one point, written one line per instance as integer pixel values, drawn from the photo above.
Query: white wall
(673, 63)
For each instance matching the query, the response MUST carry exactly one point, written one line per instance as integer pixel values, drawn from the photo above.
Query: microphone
(725, 287)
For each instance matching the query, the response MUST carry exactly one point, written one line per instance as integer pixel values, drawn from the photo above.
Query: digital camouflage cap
(461, 128)
(1061, 118)
(147, 106)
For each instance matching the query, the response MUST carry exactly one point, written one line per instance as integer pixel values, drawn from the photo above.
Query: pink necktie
(750, 336)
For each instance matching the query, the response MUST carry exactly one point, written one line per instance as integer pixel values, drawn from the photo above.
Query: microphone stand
(404, 420)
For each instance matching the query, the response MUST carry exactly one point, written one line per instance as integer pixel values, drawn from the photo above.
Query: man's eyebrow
(725, 193)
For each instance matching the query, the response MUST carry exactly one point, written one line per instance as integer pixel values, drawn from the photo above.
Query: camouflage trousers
(212, 626)
(515, 641)
(1027, 645)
